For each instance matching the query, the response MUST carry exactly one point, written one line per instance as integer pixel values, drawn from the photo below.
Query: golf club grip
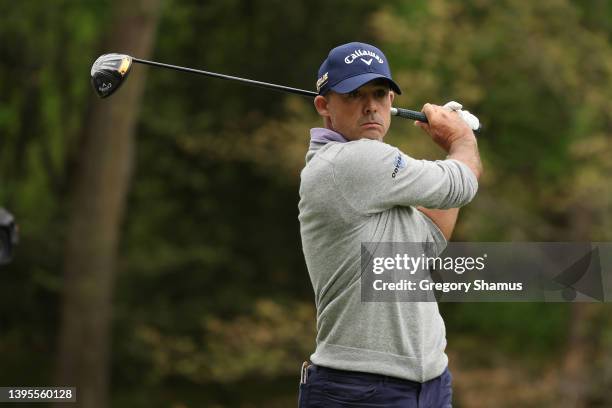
(420, 116)
(409, 114)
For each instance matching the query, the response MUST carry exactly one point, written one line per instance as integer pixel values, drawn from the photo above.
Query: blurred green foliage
(212, 289)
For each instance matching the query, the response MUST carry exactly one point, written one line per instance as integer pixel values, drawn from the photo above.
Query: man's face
(363, 113)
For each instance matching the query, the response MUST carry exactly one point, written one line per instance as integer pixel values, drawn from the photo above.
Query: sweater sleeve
(374, 176)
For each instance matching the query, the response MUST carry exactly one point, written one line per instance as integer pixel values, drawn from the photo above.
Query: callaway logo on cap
(352, 65)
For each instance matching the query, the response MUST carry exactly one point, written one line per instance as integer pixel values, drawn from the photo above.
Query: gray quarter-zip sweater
(365, 191)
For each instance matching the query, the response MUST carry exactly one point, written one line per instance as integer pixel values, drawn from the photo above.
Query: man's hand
(453, 134)
(445, 126)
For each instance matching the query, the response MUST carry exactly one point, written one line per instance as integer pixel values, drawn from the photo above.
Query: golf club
(109, 71)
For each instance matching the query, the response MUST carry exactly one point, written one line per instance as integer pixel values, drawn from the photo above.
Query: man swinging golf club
(355, 188)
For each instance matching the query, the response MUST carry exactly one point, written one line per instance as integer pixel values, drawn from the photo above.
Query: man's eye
(381, 93)
(354, 94)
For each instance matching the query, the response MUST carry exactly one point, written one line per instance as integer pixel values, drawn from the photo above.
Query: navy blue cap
(349, 66)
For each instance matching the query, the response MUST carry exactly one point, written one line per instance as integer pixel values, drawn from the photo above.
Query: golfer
(355, 188)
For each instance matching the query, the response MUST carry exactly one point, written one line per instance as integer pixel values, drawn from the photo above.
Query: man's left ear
(391, 95)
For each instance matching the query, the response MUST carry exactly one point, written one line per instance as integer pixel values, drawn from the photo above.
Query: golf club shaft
(404, 113)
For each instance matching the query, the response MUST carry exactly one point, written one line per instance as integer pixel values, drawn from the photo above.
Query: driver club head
(108, 72)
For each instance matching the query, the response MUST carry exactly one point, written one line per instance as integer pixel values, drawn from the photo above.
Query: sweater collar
(323, 136)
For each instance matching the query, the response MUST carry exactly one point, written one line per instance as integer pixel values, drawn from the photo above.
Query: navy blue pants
(322, 387)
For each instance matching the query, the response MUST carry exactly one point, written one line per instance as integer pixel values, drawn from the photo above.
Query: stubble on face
(363, 113)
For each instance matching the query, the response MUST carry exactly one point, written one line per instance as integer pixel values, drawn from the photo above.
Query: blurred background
(160, 262)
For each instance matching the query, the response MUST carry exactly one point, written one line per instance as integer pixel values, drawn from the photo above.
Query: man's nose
(370, 105)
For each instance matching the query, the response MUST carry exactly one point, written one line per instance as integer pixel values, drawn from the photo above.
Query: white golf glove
(470, 119)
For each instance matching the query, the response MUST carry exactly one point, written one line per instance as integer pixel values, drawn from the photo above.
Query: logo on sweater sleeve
(400, 163)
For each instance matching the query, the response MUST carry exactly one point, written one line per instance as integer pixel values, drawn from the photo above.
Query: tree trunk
(99, 191)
